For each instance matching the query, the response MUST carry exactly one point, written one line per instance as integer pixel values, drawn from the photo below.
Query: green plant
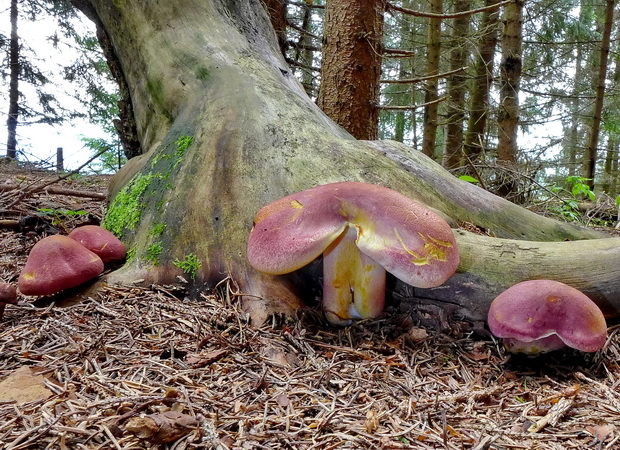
(157, 229)
(153, 253)
(189, 265)
(469, 179)
(579, 188)
(183, 144)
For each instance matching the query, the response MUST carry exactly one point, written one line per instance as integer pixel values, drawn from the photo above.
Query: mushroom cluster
(362, 231)
(58, 262)
(540, 316)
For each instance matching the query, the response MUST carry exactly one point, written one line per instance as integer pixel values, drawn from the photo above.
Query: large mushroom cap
(405, 237)
(533, 311)
(99, 241)
(56, 263)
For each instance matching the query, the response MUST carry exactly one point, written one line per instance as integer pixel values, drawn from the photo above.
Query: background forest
(519, 97)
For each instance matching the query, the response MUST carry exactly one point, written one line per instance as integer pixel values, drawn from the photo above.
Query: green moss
(189, 265)
(126, 208)
(153, 252)
(157, 229)
(202, 73)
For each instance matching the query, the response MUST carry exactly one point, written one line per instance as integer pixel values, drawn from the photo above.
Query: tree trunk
(13, 115)
(508, 120)
(573, 137)
(351, 66)
(277, 14)
(431, 86)
(592, 150)
(453, 153)
(481, 86)
(229, 130)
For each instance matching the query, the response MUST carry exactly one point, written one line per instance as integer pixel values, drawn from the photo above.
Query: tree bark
(592, 150)
(229, 130)
(481, 86)
(351, 66)
(453, 153)
(277, 14)
(433, 46)
(508, 120)
(13, 115)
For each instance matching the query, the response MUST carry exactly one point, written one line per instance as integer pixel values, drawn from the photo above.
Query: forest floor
(135, 367)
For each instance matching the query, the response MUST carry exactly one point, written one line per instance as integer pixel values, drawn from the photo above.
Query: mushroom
(56, 263)
(539, 316)
(362, 230)
(8, 294)
(99, 241)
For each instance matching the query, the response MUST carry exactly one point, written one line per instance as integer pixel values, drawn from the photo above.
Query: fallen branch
(58, 191)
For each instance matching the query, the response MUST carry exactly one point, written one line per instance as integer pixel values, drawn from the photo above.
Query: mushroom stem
(353, 283)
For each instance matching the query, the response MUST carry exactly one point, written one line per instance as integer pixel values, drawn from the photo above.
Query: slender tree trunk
(508, 120)
(351, 66)
(613, 140)
(304, 54)
(481, 85)
(13, 116)
(431, 86)
(592, 150)
(453, 153)
(404, 70)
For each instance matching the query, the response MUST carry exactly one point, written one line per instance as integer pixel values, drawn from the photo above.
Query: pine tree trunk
(351, 67)
(433, 51)
(277, 14)
(229, 130)
(13, 115)
(510, 77)
(592, 150)
(481, 85)
(453, 153)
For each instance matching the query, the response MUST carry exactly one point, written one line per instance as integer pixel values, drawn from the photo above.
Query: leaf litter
(147, 368)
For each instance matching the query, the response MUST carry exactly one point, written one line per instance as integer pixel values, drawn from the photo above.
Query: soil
(134, 367)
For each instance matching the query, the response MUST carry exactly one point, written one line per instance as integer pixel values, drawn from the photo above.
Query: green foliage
(469, 179)
(579, 188)
(153, 252)
(183, 143)
(190, 265)
(157, 229)
(110, 159)
(576, 190)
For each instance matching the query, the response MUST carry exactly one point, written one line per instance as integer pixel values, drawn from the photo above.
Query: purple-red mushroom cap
(56, 263)
(381, 229)
(100, 241)
(8, 295)
(540, 316)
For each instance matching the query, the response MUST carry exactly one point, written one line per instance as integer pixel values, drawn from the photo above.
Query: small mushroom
(99, 241)
(539, 316)
(362, 230)
(8, 295)
(56, 263)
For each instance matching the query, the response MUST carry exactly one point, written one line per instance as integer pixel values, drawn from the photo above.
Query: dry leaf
(161, 428)
(283, 400)
(23, 386)
(204, 359)
(601, 432)
(372, 421)
(280, 356)
(416, 335)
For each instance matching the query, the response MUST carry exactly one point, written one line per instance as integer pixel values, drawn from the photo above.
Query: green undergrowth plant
(190, 265)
